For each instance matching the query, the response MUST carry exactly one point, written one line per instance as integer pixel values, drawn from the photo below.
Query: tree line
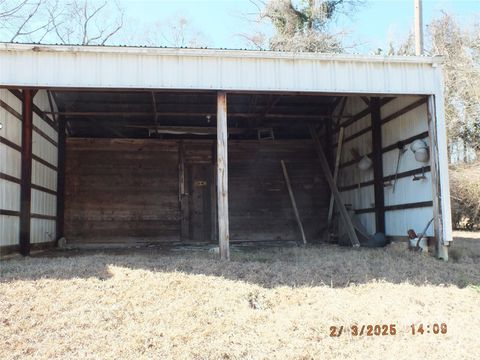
(302, 25)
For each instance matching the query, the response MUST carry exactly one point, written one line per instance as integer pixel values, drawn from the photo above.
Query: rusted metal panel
(157, 68)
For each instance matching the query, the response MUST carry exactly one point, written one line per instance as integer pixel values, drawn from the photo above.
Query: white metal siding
(110, 67)
(43, 203)
(398, 222)
(10, 160)
(10, 164)
(9, 195)
(42, 231)
(43, 126)
(9, 230)
(407, 191)
(361, 197)
(410, 124)
(44, 176)
(44, 149)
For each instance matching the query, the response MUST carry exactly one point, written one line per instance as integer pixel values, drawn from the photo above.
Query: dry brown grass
(271, 303)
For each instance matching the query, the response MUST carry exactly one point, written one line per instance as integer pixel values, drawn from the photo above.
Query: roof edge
(207, 52)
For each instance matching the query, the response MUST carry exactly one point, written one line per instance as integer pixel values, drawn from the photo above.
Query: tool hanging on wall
(401, 151)
(421, 177)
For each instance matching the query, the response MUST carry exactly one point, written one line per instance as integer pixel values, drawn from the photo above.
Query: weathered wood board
(128, 190)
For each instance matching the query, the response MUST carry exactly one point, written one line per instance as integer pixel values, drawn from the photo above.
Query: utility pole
(418, 28)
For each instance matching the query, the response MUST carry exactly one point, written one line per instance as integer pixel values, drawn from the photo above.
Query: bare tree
(74, 22)
(86, 22)
(24, 20)
(300, 26)
(458, 44)
(178, 31)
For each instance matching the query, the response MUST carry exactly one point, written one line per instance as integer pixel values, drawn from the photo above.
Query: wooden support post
(335, 173)
(61, 177)
(222, 176)
(292, 200)
(441, 249)
(328, 176)
(328, 142)
(378, 165)
(26, 172)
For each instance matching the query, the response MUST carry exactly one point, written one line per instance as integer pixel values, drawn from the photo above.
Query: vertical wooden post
(61, 177)
(26, 172)
(335, 174)
(333, 187)
(222, 176)
(441, 249)
(378, 165)
(294, 203)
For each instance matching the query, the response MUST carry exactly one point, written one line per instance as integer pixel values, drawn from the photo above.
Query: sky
(221, 21)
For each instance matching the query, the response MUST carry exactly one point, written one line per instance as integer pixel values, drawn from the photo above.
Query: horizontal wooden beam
(9, 178)
(36, 110)
(390, 147)
(414, 205)
(33, 215)
(44, 189)
(10, 143)
(9, 212)
(43, 162)
(387, 119)
(45, 136)
(183, 114)
(404, 110)
(10, 110)
(404, 174)
(186, 129)
(362, 114)
(44, 217)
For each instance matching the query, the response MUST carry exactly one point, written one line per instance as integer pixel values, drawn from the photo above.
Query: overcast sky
(220, 21)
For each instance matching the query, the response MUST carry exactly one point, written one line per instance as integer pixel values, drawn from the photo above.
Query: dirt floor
(267, 303)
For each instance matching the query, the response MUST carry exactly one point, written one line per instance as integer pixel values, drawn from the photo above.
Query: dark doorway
(200, 201)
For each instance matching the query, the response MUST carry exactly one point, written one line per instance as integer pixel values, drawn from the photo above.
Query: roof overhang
(113, 67)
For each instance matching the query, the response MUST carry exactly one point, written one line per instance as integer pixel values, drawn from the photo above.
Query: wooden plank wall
(128, 190)
(260, 207)
(121, 189)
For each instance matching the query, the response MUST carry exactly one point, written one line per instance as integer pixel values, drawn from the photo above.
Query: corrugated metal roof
(206, 51)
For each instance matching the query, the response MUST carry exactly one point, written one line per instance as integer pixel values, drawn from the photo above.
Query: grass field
(268, 303)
